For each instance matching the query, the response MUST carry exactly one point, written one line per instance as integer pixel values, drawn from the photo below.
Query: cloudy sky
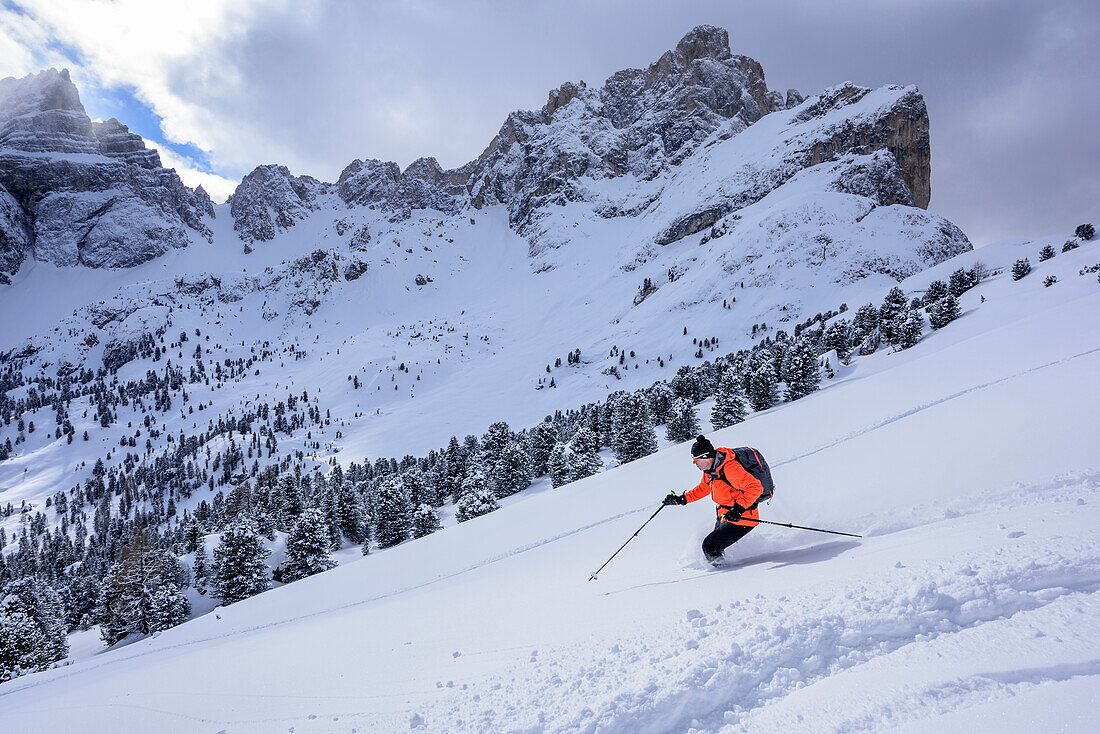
(221, 86)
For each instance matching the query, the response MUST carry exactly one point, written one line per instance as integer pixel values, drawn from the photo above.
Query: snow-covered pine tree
(803, 374)
(729, 405)
(911, 324)
(349, 513)
(453, 470)
(865, 322)
(1020, 268)
(838, 338)
(511, 471)
(763, 388)
(495, 439)
(937, 289)
(23, 647)
(556, 466)
(288, 501)
(392, 513)
(239, 569)
(890, 314)
(686, 385)
(1046, 253)
(660, 398)
(1085, 232)
(540, 442)
(425, 521)
(34, 598)
(142, 592)
(605, 417)
(582, 457)
(684, 423)
(416, 488)
(960, 282)
(943, 311)
(633, 434)
(200, 569)
(307, 546)
(477, 497)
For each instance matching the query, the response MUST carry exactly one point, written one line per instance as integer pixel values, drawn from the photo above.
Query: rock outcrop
(89, 193)
(639, 122)
(271, 199)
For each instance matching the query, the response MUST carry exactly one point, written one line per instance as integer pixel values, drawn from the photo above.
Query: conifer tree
(803, 375)
(838, 338)
(392, 513)
(477, 497)
(943, 311)
(288, 502)
(540, 442)
(684, 423)
(577, 458)
(686, 385)
(425, 521)
(937, 289)
(960, 282)
(495, 439)
(890, 313)
(349, 516)
(142, 592)
(763, 388)
(416, 488)
(511, 471)
(307, 546)
(729, 405)
(34, 598)
(453, 470)
(1020, 268)
(865, 322)
(1046, 253)
(23, 647)
(239, 569)
(911, 324)
(201, 568)
(661, 399)
(556, 466)
(633, 434)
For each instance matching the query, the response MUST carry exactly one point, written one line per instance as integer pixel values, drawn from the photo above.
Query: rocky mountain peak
(78, 192)
(703, 41)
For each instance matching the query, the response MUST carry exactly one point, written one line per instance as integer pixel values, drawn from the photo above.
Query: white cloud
(144, 46)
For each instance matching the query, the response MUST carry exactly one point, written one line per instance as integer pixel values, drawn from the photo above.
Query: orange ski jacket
(727, 483)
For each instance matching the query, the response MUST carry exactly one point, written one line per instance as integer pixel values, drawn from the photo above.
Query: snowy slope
(967, 462)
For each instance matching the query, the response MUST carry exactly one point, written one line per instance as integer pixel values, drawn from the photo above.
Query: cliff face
(87, 193)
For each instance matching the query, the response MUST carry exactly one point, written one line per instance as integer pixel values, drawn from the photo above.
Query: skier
(733, 489)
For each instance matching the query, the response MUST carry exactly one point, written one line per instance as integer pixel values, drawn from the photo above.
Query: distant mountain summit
(78, 192)
(640, 124)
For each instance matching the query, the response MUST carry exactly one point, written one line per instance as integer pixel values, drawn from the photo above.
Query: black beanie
(702, 449)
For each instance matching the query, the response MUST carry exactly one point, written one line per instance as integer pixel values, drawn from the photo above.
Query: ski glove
(675, 499)
(734, 513)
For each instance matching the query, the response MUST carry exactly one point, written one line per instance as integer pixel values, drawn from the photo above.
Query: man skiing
(733, 489)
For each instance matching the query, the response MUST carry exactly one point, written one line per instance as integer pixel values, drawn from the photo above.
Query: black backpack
(754, 463)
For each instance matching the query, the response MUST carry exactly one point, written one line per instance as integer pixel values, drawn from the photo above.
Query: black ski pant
(723, 536)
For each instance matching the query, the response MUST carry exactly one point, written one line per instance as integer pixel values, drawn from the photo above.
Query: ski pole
(593, 576)
(803, 527)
